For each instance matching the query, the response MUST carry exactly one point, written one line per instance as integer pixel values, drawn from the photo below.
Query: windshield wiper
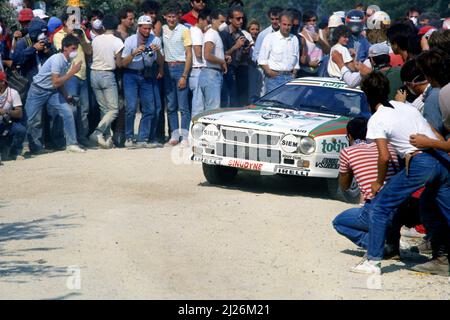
(274, 102)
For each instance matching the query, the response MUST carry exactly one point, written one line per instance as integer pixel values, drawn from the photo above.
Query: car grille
(253, 138)
(248, 153)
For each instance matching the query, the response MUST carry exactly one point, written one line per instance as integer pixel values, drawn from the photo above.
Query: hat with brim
(144, 20)
(378, 50)
(26, 15)
(40, 13)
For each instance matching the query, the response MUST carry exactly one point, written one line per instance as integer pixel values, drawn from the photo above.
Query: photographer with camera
(140, 75)
(32, 50)
(237, 44)
(12, 132)
(77, 86)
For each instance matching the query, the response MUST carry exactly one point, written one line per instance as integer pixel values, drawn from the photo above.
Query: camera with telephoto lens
(43, 38)
(149, 51)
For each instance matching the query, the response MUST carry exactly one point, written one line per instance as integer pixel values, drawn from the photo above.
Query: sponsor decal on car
(248, 165)
(214, 161)
(209, 119)
(274, 115)
(328, 163)
(258, 123)
(299, 130)
(333, 146)
(292, 171)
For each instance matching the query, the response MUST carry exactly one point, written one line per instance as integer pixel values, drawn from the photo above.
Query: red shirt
(362, 160)
(189, 18)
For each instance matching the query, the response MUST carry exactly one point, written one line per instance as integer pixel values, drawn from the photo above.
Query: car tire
(219, 174)
(352, 195)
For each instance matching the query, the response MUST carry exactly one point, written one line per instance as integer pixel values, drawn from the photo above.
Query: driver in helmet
(355, 20)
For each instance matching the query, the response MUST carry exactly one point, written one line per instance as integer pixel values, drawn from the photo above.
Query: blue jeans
(36, 100)
(105, 89)
(354, 225)
(272, 83)
(197, 96)
(78, 88)
(211, 85)
(424, 170)
(148, 92)
(14, 138)
(255, 82)
(177, 100)
(229, 89)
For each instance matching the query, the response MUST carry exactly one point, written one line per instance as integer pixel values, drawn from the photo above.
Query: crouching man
(12, 132)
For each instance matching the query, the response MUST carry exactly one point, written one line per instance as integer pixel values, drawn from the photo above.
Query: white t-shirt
(105, 47)
(333, 69)
(213, 36)
(10, 99)
(197, 40)
(396, 125)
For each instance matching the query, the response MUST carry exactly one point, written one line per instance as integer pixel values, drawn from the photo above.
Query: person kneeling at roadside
(360, 161)
(11, 113)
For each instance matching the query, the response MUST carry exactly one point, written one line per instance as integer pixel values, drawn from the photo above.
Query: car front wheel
(219, 174)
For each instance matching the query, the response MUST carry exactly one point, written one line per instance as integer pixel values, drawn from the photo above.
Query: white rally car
(297, 129)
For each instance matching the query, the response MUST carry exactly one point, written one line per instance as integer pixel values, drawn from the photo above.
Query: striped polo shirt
(362, 160)
(175, 41)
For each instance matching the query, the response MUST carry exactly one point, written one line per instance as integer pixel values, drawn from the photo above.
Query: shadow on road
(13, 263)
(283, 185)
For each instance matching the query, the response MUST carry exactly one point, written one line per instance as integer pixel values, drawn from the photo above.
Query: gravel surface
(144, 224)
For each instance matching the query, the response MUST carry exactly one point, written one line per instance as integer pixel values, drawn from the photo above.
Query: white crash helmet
(335, 21)
(446, 24)
(372, 9)
(379, 18)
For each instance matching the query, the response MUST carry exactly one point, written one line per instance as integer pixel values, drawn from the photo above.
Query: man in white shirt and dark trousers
(279, 55)
(394, 122)
(258, 89)
(211, 77)
(107, 51)
(140, 76)
(197, 35)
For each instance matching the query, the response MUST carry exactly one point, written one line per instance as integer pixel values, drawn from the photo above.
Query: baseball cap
(40, 13)
(53, 24)
(26, 15)
(97, 24)
(334, 21)
(378, 49)
(3, 76)
(144, 20)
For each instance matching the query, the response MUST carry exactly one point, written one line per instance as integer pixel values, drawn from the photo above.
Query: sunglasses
(312, 20)
(239, 18)
(199, 1)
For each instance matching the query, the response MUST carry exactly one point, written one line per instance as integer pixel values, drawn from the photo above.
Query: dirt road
(134, 224)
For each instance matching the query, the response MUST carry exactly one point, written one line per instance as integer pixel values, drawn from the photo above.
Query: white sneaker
(184, 144)
(410, 232)
(129, 143)
(141, 145)
(367, 267)
(75, 149)
(156, 145)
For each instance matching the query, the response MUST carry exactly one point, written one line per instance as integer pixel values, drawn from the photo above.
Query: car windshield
(317, 99)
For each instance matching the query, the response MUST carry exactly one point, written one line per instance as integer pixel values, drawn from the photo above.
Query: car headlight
(211, 133)
(197, 130)
(289, 143)
(307, 145)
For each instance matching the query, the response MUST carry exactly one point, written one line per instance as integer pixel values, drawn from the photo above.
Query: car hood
(278, 120)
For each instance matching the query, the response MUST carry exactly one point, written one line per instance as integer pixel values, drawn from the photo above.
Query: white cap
(377, 19)
(40, 13)
(379, 49)
(97, 24)
(340, 14)
(372, 9)
(335, 21)
(144, 20)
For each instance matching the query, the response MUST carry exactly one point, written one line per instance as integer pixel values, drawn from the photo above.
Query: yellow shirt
(57, 42)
